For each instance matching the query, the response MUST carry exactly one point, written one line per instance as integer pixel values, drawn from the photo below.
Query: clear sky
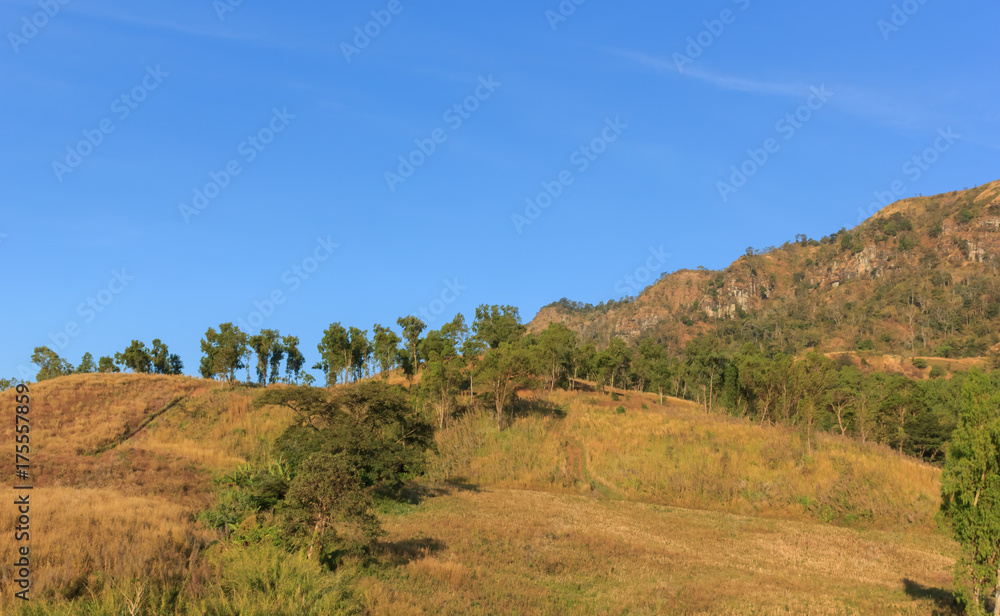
(291, 123)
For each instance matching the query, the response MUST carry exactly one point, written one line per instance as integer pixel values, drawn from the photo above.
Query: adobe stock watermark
(633, 284)
(364, 35)
(31, 26)
(900, 16)
(122, 107)
(88, 309)
(291, 281)
(787, 127)
(224, 7)
(581, 159)
(449, 295)
(454, 117)
(565, 10)
(914, 169)
(248, 149)
(714, 29)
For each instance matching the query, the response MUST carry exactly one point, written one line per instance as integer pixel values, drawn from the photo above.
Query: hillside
(917, 278)
(578, 507)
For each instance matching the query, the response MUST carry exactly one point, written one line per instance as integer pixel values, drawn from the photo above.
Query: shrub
(920, 362)
(620, 410)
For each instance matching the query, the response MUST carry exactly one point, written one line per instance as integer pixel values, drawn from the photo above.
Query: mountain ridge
(932, 249)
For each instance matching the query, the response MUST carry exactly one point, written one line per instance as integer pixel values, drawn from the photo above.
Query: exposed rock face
(957, 234)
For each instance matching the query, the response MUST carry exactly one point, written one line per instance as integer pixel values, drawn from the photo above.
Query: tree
(87, 364)
(614, 362)
(970, 489)
(106, 365)
(412, 328)
(135, 358)
(263, 344)
(555, 351)
(295, 359)
(224, 352)
(343, 447)
(384, 349)
(496, 325)
(163, 361)
(277, 354)
(335, 353)
(361, 352)
(50, 365)
(444, 368)
(505, 370)
(161, 357)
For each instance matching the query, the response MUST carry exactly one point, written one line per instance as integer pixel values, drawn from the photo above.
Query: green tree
(277, 354)
(136, 358)
(555, 351)
(443, 374)
(224, 352)
(87, 364)
(496, 325)
(361, 352)
(970, 489)
(106, 365)
(384, 348)
(614, 362)
(263, 345)
(294, 360)
(335, 353)
(412, 328)
(50, 365)
(505, 370)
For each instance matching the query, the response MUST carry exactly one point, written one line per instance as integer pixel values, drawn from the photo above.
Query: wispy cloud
(724, 82)
(872, 104)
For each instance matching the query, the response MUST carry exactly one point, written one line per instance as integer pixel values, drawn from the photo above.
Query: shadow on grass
(944, 601)
(537, 406)
(398, 553)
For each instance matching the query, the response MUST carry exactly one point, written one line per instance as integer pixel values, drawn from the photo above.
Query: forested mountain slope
(918, 278)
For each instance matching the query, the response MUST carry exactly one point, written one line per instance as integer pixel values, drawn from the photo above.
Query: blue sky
(614, 107)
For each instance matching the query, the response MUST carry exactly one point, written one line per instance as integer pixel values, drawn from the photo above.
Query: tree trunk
(996, 605)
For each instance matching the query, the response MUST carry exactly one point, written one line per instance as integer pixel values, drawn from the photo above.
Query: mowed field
(576, 508)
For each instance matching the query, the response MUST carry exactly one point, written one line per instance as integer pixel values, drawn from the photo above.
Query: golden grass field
(575, 509)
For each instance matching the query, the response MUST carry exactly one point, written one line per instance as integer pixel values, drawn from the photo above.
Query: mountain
(917, 278)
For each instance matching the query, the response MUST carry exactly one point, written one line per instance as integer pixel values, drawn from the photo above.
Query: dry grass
(518, 552)
(678, 455)
(82, 540)
(127, 512)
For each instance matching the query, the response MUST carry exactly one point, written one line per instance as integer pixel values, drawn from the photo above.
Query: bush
(919, 362)
(620, 410)
(937, 372)
(614, 396)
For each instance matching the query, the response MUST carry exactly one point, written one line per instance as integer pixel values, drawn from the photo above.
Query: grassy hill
(918, 278)
(577, 508)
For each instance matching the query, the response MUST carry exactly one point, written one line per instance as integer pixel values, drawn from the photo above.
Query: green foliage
(135, 358)
(223, 352)
(384, 349)
(412, 328)
(970, 489)
(87, 365)
(294, 358)
(106, 365)
(335, 353)
(50, 365)
(496, 325)
(919, 362)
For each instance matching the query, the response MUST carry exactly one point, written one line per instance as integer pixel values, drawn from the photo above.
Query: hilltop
(917, 278)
